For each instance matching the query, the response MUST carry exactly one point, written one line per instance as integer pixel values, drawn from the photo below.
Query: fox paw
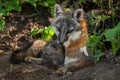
(28, 59)
(34, 60)
(63, 71)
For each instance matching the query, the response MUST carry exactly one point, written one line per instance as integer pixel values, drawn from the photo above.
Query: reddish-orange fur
(76, 56)
(81, 42)
(73, 48)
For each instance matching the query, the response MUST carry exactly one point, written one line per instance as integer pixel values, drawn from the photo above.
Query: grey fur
(53, 55)
(65, 25)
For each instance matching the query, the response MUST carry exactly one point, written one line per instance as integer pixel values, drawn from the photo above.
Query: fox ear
(57, 10)
(78, 14)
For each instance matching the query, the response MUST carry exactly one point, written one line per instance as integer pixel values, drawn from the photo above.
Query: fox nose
(61, 42)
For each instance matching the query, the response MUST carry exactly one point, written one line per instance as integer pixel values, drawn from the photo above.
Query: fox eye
(58, 27)
(71, 30)
(68, 32)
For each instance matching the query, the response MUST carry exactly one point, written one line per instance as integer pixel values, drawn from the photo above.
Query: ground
(16, 35)
(106, 69)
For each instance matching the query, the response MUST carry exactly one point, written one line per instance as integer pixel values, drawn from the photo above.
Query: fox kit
(71, 31)
(49, 54)
(32, 50)
(52, 55)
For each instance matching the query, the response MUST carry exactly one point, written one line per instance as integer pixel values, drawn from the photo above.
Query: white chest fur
(75, 35)
(72, 37)
(69, 60)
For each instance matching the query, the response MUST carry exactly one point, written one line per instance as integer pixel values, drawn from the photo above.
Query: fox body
(71, 31)
(49, 54)
(53, 55)
(32, 50)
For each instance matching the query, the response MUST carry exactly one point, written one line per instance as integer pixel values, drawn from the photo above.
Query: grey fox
(71, 31)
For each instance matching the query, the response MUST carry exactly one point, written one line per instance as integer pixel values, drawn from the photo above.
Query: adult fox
(71, 31)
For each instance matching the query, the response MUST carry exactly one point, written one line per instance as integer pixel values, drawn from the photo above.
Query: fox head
(66, 23)
(53, 54)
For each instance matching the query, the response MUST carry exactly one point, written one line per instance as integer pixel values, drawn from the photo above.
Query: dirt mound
(107, 69)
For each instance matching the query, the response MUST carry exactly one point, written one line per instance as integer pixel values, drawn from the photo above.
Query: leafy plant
(97, 19)
(2, 23)
(95, 45)
(83, 0)
(6, 7)
(113, 35)
(103, 18)
(32, 2)
(46, 33)
(98, 55)
(47, 3)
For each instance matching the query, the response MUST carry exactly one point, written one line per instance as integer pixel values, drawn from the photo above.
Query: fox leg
(68, 67)
(84, 50)
(34, 60)
(76, 65)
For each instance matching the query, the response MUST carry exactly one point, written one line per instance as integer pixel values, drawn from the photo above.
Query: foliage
(97, 39)
(96, 19)
(2, 23)
(32, 2)
(113, 35)
(9, 5)
(6, 7)
(46, 33)
(95, 45)
(48, 3)
(83, 0)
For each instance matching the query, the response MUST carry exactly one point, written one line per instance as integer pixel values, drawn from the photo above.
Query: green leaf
(3, 12)
(37, 31)
(68, 9)
(51, 31)
(110, 34)
(98, 55)
(47, 33)
(13, 5)
(113, 35)
(117, 30)
(2, 24)
(45, 4)
(17, 5)
(115, 46)
(83, 0)
(0, 4)
(104, 17)
(51, 2)
(32, 2)
(46, 37)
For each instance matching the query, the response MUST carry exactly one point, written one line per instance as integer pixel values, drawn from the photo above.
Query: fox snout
(61, 40)
(62, 37)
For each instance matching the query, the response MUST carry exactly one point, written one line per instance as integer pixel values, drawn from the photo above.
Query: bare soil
(16, 35)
